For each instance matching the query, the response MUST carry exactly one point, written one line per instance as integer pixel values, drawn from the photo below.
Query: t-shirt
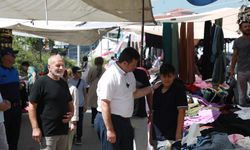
(118, 87)
(52, 98)
(165, 110)
(30, 71)
(80, 88)
(243, 48)
(9, 84)
(140, 103)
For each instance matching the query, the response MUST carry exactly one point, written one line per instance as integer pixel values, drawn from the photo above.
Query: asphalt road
(90, 139)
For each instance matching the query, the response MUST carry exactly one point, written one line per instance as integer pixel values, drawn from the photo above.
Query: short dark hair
(167, 69)
(99, 61)
(240, 24)
(25, 63)
(129, 54)
(84, 58)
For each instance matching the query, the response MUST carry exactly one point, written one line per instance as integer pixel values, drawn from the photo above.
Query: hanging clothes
(190, 53)
(205, 63)
(153, 40)
(183, 52)
(175, 46)
(219, 71)
(167, 44)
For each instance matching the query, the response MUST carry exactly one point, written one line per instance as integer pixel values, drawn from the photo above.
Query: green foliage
(31, 50)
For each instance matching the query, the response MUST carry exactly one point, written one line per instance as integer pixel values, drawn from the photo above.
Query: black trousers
(93, 113)
(123, 129)
(12, 123)
(79, 124)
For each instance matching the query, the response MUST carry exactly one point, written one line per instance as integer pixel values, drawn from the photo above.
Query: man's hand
(37, 134)
(85, 109)
(111, 136)
(72, 126)
(67, 117)
(5, 105)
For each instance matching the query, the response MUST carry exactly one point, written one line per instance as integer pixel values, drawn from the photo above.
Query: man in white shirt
(116, 91)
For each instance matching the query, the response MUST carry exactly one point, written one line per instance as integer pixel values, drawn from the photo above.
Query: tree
(31, 49)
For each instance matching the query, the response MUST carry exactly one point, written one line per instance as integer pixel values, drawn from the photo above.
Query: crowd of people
(122, 100)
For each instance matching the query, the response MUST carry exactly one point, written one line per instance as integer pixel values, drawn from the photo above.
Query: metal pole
(46, 12)
(142, 33)
(78, 55)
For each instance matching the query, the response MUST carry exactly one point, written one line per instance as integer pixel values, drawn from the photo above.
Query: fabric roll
(167, 44)
(182, 52)
(205, 63)
(190, 53)
(175, 47)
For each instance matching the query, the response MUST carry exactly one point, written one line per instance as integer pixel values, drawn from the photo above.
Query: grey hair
(51, 59)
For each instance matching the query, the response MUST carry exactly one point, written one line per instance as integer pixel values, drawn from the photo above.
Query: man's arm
(150, 103)
(36, 132)
(145, 91)
(233, 62)
(106, 114)
(67, 117)
(142, 92)
(180, 123)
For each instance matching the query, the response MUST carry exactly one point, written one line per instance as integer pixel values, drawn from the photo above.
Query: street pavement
(90, 139)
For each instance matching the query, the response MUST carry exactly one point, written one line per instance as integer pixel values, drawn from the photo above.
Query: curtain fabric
(167, 44)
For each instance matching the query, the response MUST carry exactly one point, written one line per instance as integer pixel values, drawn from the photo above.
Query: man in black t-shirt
(169, 105)
(51, 107)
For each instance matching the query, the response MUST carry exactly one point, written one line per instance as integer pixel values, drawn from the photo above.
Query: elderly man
(51, 107)
(9, 88)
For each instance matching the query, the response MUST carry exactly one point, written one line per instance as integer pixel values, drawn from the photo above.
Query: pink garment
(204, 116)
(233, 138)
(201, 84)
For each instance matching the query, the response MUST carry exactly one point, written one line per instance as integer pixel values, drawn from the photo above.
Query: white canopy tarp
(229, 25)
(76, 33)
(77, 10)
(229, 15)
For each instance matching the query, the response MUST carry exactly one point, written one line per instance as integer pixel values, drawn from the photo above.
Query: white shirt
(74, 93)
(1, 112)
(118, 87)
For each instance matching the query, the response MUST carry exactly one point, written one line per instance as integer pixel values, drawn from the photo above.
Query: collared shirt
(118, 87)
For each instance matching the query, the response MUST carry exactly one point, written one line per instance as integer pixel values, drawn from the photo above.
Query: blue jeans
(123, 130)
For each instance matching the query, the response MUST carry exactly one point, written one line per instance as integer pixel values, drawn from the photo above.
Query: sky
(161, 6)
